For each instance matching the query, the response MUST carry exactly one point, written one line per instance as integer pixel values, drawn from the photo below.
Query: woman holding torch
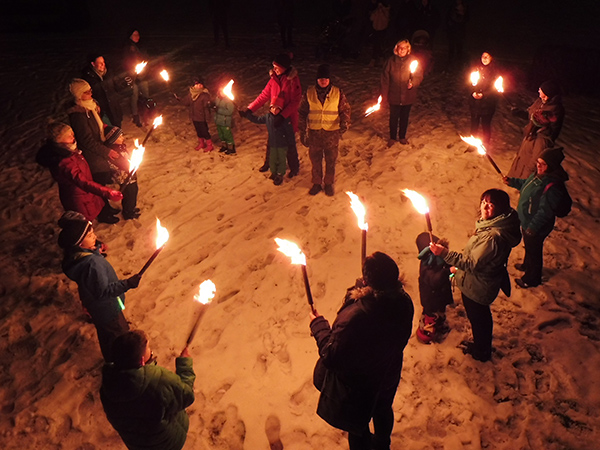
(400, 80)
(480, 270)
(483, 97)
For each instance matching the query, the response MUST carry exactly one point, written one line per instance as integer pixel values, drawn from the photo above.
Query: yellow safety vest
(323, 116)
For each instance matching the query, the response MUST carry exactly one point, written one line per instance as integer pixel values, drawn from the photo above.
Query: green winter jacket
(482, 264)
(147, 405)
(537, 208)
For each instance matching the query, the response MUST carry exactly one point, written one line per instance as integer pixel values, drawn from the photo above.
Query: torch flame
(139, 67)
(162, 234)
(157, 121)
(413, 66)
(374, 108)
(227, 90)
(417, 200)
(290, 249)
(498, 84)
(475, 143)
(359, 210)
(475, 78)
(165, 75)
(206, 292)
(136, 157)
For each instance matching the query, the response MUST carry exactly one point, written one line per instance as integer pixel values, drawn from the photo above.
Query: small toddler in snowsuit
(224, 121)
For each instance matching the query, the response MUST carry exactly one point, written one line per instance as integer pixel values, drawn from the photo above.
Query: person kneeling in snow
(361, 355)
(100, 290)
(144, 402)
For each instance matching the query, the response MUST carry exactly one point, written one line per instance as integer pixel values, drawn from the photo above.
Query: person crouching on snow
(144, 402)
(198, 101)
(435, 291)
(116, 141)
(325, 111)
(101, 292)
(76, 188)
(280, 132)
(224, 120)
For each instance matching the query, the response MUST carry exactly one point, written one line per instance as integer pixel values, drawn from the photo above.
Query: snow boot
(201, 144)
(209, 146)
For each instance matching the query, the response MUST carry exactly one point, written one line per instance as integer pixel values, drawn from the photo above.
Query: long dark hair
(499, 199)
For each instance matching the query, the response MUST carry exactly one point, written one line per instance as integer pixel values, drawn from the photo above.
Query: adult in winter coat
(483, 97)
(84, 117)
(399, 89)
(76, 188)
(540, 197)
(285, 84)
(101, 292)
(133, 54)
(325, 114)
(545, 122)
(144, 402)
(361, 355)
(480, 270)
(104, 89)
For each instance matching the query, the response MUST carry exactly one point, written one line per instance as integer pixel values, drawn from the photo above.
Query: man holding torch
(361, 355)
(101, 292)
(144, 402)
(400, 80)
(325, 114)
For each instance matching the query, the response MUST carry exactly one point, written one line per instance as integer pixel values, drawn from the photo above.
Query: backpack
(566, 202)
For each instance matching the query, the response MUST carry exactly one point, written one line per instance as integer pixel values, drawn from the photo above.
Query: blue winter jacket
(282, 136)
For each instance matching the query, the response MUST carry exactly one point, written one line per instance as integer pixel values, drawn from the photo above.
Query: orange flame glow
(475, 78)
(417, 200)
(498, 84)
(136, 157)
(206, 292)
(165, 75)
(162, 235)
(227, 90)
(374, 108)
(471, 140)
(359, 210)
(139, 67)
(290, 249)
(157, 121)
(413, 66)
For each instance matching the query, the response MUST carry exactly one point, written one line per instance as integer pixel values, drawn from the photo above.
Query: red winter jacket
(77, 191)
(286, 86)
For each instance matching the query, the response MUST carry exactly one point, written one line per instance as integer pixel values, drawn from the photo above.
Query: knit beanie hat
(197, 79)
(380, 271)
(74, 228)
(550, 88)
(283, 60)
(324, 71)
(78, 87)
(553, 157)
(112, 134)
(56, 130)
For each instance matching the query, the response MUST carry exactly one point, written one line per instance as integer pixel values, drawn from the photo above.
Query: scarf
(91, 105)
(195, 93)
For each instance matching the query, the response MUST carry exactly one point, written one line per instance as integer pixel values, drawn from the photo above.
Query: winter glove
(278, 120)
(134, 281)
(529, 232)
(115, 196)
(243, 112)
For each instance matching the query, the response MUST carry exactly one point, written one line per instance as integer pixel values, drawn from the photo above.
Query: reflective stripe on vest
(326, 116)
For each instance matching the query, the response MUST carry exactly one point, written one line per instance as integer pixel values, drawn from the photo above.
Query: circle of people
(360, 354)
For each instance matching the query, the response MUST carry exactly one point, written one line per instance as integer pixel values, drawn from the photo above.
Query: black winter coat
(104, 91)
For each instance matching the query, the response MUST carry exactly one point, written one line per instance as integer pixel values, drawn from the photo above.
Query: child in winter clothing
(198, 100)
(224, 121)
(435, 291)
(116, 141)
(280, 130)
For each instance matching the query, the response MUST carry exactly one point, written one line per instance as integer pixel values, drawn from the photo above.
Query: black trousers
(534, 258)
(482, 326)
(201, 129)
(399, 121)
(130, 193)
(383, 423)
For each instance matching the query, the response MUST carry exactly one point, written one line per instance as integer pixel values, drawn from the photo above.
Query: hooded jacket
(363, 350)
(482, 264)
(394, 80)
(147, 405)
(76, 189)
(285, 86)
(537, 205)
(199, 107)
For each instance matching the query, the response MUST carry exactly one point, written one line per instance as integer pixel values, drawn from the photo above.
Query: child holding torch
(224, 121)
